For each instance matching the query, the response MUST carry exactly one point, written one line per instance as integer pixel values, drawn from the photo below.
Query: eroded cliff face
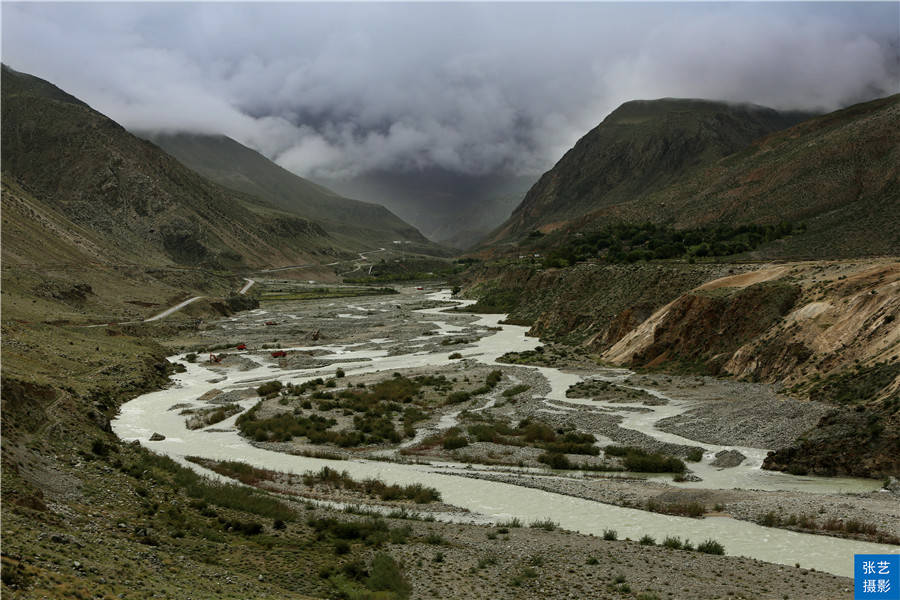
(593, 305)
(791, 323)
(845, 318)
(827, 331)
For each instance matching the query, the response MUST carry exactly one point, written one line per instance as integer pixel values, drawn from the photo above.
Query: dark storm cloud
(342, 89)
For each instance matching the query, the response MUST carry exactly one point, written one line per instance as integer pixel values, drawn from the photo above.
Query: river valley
(376, 336)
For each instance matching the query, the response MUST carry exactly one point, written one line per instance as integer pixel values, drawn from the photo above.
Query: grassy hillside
(838, 174)
(640, 147)
(356, 224)
(833, 180)
(139, 204)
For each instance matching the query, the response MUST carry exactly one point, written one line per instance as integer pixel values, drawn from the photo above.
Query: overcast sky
(335, 90)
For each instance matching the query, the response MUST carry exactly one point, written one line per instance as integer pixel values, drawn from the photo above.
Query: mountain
(232, 165)
(838, 174)
(121, 199)
(697, 164)
(640, 147)
(454, 209)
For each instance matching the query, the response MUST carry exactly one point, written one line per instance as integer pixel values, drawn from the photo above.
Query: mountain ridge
(146, 207)
(237, 167)
(836, 174)
(641, 146)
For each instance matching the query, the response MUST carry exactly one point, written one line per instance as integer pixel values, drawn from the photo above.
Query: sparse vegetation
(545, 524)
(711, 547)
(416, 492)
(636, 459)
(210, 416)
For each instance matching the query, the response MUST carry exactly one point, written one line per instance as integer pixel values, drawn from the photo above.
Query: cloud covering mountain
(340, 90)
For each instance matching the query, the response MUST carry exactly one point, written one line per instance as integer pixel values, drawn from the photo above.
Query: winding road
(173, 309)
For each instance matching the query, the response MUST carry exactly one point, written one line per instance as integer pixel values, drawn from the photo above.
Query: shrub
(545, 524)
(457, 397)
(511, 523)
(99, 447)
(452, 443)
(436, 540)
(672, 542)
(711, 547)
(647, 540)
(386, 576)
(610, 534)
(15, 575)
(555, 460)
(190, 357)
(642, 461)
(770, 519)
(272, 387)
(515, 390)
(695, 455)
(490, 559)
(339, 373)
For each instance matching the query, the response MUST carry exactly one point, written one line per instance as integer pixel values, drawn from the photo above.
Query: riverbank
(484, 341)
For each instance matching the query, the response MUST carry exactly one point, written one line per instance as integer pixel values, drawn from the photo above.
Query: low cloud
(339, 90)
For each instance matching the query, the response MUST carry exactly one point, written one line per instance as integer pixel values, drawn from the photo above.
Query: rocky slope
(836, 174)
(357, 224)
(640, 147)
(589, 304)
(139, 204)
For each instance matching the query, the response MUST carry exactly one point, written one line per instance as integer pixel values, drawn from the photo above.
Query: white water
(149, 413)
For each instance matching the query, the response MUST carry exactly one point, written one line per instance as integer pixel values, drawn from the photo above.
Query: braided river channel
(485, 501)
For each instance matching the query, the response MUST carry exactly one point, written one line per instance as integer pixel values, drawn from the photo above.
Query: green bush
(673, 542)
(436, 540)
(452, 443)
(386, 576)
(555, 460)
(99, 447)
(641, 461)
(545, 524)
(266, 389)
(610, 534)
(457, 397)
(515, 390)
(711, 547)
(510, 523)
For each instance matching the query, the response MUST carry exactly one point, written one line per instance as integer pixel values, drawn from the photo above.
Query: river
(149, 413)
